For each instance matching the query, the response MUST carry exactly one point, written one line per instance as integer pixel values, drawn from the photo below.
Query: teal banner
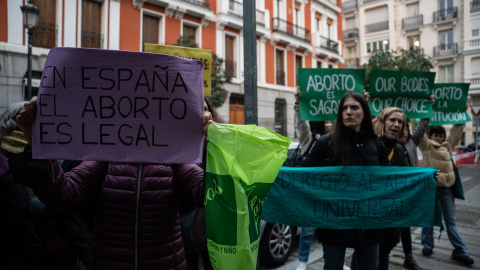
(322, 90)
(352, 197)
(407, 90)
(449, 107)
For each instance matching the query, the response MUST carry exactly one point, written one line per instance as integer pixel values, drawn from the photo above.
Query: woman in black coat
(353, 143)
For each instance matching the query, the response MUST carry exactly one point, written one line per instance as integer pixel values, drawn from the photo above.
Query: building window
(150, 29)
(46, 32)
(318, 20)
(280, 117)
(413, 42)
(445, 4)
(298, 64)
(476, 26)
(280, 70)
(383, 45)
(319, 64)
(445, 74)
(230, 56)
(329, 28)
(190, 31)
(91, 24)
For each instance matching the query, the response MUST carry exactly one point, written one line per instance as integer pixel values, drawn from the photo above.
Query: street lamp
(30, 19)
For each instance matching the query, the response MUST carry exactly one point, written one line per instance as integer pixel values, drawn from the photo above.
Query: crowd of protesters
(85, 214)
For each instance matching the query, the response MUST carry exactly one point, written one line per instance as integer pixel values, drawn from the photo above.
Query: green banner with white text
(450, 101)
(407, 90)
(352, 197)
(322, 90)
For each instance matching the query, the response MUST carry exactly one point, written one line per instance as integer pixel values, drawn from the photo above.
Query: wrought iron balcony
(352, 62)
(201, 3)
(230, 68)
(412, 22)
(375, 27)
(445, 14)
(291, 29)
(349, 5)
(350, 33)
(445, 50)
(329, 44)
(280, 77)
(235, 9)
(474, 6)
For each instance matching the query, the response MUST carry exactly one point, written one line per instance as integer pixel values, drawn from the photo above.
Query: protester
(192, 218)
(136, 215)
(308, 133)
(20, 246)
(410, 142)
(437, 153)
(353, 143)
(389, 125)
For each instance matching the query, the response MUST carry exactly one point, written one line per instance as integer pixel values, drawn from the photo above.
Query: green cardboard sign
(407, 90)
(352, 197)
(322, 90)
(449, 107)
(242, 163)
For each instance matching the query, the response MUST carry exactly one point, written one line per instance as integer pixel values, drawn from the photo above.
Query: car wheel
(276, 244)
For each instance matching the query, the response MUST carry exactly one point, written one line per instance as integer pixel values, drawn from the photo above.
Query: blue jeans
(366, 258)
(447, 201)
(306, 239)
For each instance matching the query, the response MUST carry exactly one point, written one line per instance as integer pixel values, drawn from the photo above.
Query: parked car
(471, 147)
(277, 241)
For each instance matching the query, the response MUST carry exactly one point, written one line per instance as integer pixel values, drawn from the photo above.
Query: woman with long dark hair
(353, 143)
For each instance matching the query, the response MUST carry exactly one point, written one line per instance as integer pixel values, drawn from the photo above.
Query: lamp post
(30, 19)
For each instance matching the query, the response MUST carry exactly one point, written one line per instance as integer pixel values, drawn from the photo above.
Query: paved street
(468, 222)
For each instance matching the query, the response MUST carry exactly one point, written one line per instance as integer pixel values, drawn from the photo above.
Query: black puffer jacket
(366, 150)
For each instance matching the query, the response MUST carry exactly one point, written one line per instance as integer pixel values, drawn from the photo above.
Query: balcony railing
(375, 27)
(235, 9)
(349, 5)
(260, 17)
(350, 33)
(445, 14)
(289, 28)
(474, 6)
(230, 68)
(352, 62)
(445, 50)
(329, 44)
(368, 1)
(202, 3)
(475, 80)
(280, 77)
(411, 22)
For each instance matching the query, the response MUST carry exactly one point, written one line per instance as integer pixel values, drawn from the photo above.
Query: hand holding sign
(26, 118)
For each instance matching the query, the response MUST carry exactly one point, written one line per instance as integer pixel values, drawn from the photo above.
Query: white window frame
(161, 26)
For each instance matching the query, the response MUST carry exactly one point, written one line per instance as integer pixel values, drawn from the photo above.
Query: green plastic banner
(322, 90)
(449, 107)
(352, 197)
(242, 163)
(407, 90)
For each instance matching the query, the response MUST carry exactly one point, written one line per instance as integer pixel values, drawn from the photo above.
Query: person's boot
(410, 263)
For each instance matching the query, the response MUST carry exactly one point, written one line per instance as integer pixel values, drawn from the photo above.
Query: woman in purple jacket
(136, 224)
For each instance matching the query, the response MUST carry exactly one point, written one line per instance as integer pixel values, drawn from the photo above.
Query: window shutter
(329, 21)
(298, 6)
(318, 16)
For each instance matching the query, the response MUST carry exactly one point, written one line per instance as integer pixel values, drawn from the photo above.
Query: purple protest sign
(120, 106)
